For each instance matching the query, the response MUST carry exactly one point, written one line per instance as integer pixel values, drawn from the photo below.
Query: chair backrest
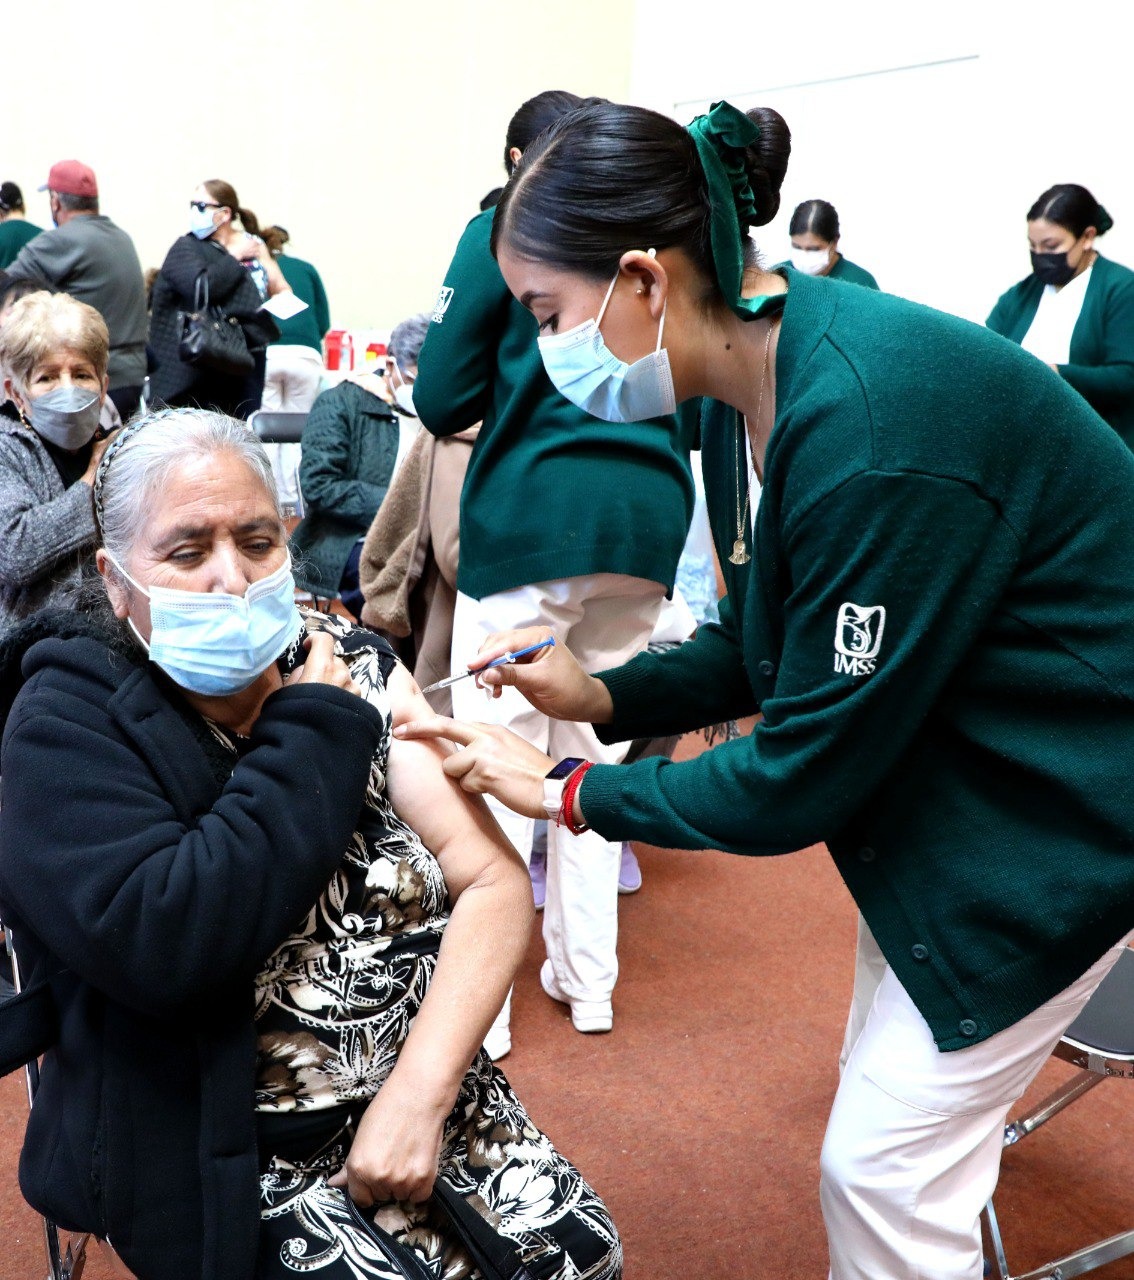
(278, 428)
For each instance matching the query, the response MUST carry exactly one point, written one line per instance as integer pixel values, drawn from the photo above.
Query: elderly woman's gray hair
(140, 460)
(43, 324)
(407, 339)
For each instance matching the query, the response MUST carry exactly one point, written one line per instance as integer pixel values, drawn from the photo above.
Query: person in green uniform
(1076, 309)
(932, 608)
(814, 231)
(566, 520)
(295, 360)
(15, 229)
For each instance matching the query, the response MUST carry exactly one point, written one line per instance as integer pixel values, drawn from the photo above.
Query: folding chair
(63, 1262)
(277, 429)
(1101, 1043)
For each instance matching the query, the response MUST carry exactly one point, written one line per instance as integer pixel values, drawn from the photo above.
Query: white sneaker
(588, 1016)
(498, 1042)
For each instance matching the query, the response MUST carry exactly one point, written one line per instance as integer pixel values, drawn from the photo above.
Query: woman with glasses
(240, 275)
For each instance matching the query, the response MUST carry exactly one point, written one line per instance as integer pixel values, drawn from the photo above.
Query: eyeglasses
(202, 205)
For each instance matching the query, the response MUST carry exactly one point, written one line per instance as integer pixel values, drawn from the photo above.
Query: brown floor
(700, 1116)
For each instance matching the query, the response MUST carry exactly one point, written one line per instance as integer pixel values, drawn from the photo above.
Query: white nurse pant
(913, 1145)
(604, 619)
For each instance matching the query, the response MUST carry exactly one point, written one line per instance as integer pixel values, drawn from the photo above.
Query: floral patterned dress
(334, 1004)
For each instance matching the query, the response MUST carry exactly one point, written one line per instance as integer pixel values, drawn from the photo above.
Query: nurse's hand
(494, 760)
(551, 679)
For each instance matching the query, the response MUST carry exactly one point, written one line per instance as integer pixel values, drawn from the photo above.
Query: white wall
(369, 130)
(933, 168)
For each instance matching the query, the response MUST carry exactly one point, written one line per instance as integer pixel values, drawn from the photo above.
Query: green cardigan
(550, 492)
(306, 329)
(14, 234)
(349, 447)
(937, 623)
(851, 273)
(1101, 366)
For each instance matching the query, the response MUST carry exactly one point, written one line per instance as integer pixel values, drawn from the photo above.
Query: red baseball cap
(71, 178)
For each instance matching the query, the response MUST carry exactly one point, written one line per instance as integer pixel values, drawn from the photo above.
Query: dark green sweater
(851, 273)
(967, 757)
(1101, 365)
(308, 327)
(550, 492)
(14, 234)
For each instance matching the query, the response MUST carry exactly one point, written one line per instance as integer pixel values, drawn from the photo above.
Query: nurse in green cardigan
(1076, 309)
(932, 606)
(814, 231)
(563, 522)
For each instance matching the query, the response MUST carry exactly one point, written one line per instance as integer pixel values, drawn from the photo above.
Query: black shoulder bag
(211, 339)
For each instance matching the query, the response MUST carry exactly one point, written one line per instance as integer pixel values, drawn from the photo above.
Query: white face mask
(402, 392)
(812, 262)
(592, 377)
(213, 643)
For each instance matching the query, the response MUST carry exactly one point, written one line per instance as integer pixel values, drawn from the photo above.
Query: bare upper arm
(454, 825)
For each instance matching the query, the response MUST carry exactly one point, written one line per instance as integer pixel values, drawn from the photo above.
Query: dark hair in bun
(768, 161)
(533, 117)
(1072, 207)
(607, 178)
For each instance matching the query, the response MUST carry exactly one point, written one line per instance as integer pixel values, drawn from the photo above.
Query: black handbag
(496, 1257)
(211, 339)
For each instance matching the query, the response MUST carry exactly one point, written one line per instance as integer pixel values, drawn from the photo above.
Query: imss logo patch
(442, 304)
(858, 638)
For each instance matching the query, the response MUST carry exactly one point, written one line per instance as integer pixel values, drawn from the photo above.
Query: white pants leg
(913, 1145)
(604, 619)
(292, 378)
(580, 916)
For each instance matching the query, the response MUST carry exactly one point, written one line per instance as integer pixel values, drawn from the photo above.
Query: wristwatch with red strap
(559, 787)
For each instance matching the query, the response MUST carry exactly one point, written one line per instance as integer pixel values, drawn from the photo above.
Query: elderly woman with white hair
(275, 937)
(54, 353)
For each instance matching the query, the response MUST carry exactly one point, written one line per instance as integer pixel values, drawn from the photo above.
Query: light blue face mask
(201, 221)
(592, 377)
(213, 643)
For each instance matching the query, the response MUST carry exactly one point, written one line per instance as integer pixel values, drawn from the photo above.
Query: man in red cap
(90, 258)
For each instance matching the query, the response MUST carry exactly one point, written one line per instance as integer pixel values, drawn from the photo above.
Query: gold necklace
(739, 550)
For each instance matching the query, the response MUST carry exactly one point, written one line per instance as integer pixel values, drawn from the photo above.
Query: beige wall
(369, 130)
(932, 168)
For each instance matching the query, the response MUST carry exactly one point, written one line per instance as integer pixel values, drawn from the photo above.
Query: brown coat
(408, 568)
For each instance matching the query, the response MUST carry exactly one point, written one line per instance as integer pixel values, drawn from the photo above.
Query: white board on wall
(932, 138)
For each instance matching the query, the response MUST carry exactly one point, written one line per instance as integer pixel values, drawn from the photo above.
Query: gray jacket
(95, 261)
(47, 533)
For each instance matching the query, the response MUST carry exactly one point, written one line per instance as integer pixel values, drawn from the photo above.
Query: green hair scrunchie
(722, 138)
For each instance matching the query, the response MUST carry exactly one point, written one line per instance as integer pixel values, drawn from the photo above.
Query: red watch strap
(567, 808)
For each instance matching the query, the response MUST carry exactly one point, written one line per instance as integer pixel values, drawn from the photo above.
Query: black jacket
(156, 879)
(232, 289)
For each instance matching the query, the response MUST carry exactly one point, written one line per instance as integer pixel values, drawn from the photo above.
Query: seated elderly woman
(54, 352)
(276, 935)
(355, 437)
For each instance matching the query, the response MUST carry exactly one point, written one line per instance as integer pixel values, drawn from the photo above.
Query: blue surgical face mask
(592, 377)
(201, 221)
(213, 643)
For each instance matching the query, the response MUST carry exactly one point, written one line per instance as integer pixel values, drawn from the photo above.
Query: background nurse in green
(933, 608)
(814, 231)
(1076, 310)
